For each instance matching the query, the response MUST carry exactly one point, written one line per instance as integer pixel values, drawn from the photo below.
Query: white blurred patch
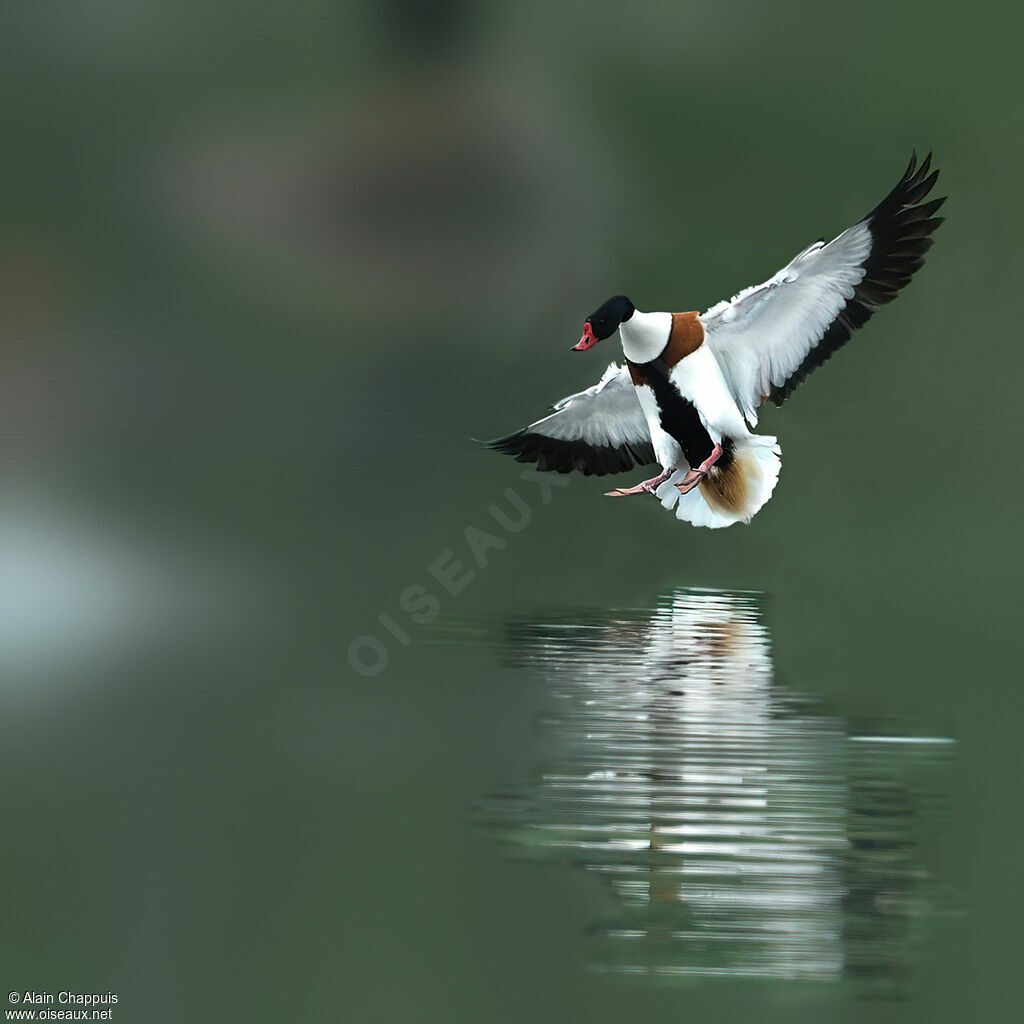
(77, 595)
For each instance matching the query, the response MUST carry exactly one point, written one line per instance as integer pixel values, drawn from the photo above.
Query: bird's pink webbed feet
(695, 476)
(647, 487)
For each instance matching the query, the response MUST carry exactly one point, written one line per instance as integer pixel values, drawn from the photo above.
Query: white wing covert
(598, 431)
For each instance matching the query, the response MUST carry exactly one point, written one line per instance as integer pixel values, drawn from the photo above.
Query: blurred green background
(266, 269)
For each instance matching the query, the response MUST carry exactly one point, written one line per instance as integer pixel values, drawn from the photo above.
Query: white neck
(645, 335)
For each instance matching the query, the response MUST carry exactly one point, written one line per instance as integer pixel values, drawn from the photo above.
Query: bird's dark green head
(604, 321)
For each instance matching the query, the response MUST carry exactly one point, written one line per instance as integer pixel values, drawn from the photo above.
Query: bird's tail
(733, 493)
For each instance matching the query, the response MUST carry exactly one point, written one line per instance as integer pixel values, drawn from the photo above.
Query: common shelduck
(692, 383)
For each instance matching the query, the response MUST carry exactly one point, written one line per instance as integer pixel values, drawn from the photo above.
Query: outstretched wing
(770, 337)
(599, 431)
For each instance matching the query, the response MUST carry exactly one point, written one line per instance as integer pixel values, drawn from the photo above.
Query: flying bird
(692, 383)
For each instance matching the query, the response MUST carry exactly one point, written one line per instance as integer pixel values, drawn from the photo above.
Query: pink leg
(647, 487)
(695, 476)
(690, 481)
(710, 460)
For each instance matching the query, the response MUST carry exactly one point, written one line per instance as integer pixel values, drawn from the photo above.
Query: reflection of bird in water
(743, 834)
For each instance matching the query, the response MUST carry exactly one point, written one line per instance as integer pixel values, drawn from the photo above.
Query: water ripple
(742, 832)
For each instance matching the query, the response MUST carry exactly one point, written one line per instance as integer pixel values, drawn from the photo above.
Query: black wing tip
(522, 445)
(556, 456)
(909, 192)
(902, 223)
(912, 166)
(500, 444)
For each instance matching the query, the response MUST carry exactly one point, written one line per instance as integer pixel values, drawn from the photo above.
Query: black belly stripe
(679, 419)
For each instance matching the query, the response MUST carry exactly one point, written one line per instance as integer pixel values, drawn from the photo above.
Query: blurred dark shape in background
(427, 33)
